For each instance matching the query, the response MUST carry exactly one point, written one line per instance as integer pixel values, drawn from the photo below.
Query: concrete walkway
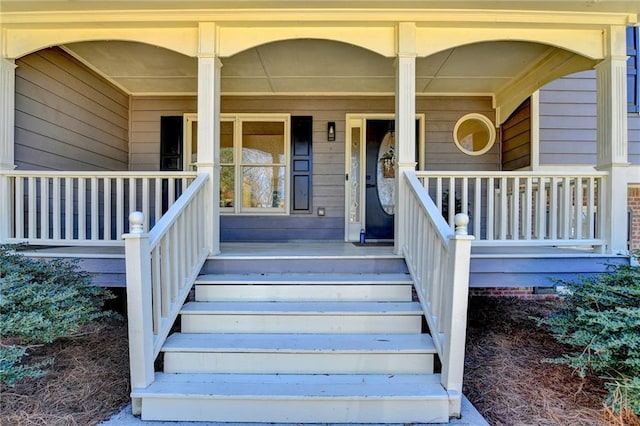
(470, 417)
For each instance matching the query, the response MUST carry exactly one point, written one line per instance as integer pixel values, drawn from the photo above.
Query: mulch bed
(505, 377)
(507, 380)
(87, 384)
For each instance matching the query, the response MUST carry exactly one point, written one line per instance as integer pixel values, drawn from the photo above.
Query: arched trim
(587, 43)
(21, 42)
(380, 39)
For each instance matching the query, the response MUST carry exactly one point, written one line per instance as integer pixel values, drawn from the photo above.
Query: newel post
(138, 268)
(455, 322)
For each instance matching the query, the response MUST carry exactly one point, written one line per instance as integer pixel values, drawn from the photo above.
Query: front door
(370, 174)
(380, 180)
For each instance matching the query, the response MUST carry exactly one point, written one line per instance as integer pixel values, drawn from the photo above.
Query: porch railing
(522, 207)
(70, 208)
(438, 260)
(161, 268)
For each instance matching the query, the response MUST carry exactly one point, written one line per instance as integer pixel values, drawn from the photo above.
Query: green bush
(601, 319)
(41, 301)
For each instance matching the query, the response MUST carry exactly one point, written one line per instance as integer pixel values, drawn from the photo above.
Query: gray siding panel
(145, 127)
(516, 138)
(67, 117)
(568, 122)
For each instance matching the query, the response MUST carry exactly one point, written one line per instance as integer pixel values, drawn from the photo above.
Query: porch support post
(208, 160)
(7, 114)
(405, 126)
(612, 141)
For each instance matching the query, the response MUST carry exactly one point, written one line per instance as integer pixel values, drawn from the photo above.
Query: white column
(7, 114)
(405, 121)
(612, 141)
(208, 160)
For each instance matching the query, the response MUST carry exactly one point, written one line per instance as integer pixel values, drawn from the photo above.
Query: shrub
(601, 319)
(41, 301)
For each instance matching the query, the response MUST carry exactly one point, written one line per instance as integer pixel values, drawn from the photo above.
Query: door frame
(353, 121)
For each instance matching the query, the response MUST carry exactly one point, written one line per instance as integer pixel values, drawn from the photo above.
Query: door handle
(371, 185)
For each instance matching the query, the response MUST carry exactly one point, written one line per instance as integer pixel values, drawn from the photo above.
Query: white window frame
(238, 120)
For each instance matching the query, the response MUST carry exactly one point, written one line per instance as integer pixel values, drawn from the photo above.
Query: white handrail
(161, 267)
(84, 208)
(438, 260)
(522, 208)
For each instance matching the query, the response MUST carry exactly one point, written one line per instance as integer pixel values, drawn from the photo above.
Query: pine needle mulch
(504, 376)
(506, 379)
(87, 384)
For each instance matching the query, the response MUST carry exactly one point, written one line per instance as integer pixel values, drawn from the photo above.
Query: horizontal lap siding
(568, 120)
(67, 117)
(328, 156)
(441, 115)
(145, 127)
(516, 138)
(634, 138)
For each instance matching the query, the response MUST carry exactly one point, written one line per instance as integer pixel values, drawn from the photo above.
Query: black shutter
(633, 65)
(301, 164)
(171, 143)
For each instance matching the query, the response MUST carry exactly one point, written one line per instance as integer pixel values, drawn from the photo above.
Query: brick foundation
(633, 203)
(525, 293)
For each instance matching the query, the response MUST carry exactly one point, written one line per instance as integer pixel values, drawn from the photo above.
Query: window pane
(263, 142)
(226, 142)
(227, 186)
(263, 187)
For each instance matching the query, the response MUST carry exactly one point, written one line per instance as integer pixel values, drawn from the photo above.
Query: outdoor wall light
(331, 131)
(321, 211)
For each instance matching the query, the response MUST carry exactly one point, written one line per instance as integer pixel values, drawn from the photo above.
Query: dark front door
(380, 183)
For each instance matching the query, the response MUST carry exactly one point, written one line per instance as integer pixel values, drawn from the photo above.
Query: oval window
(474, 134)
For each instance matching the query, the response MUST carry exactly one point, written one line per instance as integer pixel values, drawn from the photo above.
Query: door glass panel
(386, 173)
(354, 176)
(194, 142)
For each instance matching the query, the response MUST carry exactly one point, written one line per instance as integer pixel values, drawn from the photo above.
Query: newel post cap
(136, 221)
(461, 220)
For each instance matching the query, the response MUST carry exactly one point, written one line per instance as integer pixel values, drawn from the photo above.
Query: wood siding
(568, 122)
(145, 127)
(67, 117)
(328, 156)
(516, 138)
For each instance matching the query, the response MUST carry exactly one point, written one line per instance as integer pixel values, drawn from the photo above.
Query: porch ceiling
(311, 67)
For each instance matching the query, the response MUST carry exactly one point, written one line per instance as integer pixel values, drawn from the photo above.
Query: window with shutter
(633, 62)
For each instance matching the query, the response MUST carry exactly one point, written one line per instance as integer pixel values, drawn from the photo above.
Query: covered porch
(430, 79)
(396, 71)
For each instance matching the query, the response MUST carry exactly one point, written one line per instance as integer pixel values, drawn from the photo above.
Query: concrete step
(267, 398)
(299, 353)
(387, 287)
(301, 317)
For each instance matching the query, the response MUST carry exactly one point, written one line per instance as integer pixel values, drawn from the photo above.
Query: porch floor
(314, 249)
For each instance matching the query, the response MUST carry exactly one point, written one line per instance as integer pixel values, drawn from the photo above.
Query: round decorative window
(474, 134)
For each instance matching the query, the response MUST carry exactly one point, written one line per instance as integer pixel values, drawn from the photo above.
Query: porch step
(301, 317)
(299, 353)
(294, 264)
(386, 287)
(299, 340)
(273, 398)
